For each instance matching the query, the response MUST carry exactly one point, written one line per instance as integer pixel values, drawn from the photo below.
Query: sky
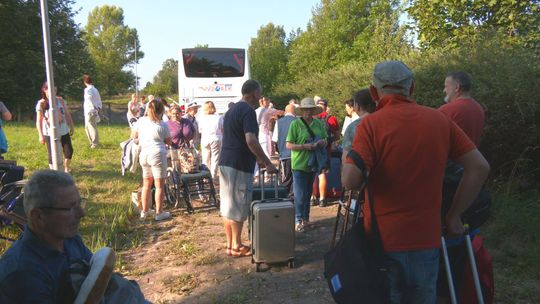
(166, 26)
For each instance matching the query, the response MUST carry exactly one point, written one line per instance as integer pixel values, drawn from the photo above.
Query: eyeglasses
(81, 205)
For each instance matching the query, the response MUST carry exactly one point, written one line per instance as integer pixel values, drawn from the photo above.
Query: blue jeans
(302, 187)
(413, 276)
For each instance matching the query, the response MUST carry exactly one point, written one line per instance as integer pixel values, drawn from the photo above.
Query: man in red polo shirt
(405, 148)
(466, 112)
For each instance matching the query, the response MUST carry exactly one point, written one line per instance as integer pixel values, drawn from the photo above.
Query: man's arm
(255, 148)
(476, 170)
(351, 176)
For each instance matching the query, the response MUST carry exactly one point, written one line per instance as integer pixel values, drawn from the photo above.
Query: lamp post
(53, 130)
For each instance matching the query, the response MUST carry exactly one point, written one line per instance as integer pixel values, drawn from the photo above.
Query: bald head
(290, 108)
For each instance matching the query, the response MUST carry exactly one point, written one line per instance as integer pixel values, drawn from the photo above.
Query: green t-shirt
(348, 137)
(299, 134)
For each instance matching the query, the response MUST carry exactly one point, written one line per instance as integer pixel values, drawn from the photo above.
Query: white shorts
(153, 164)
(235, 193)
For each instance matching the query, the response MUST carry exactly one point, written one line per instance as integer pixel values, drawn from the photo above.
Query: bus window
(204, 64)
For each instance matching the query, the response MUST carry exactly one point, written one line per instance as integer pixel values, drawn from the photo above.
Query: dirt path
(184, 261)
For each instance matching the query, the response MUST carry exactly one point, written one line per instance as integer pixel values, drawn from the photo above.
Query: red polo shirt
(405, 147)
(468, 114)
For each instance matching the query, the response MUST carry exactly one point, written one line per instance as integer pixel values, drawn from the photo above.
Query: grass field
(98, 176)
(512, 234)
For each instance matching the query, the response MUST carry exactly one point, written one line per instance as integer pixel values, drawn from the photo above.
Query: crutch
(474, 269)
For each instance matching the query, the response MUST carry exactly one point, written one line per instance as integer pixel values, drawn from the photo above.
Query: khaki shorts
(235, 193)
(153, 164)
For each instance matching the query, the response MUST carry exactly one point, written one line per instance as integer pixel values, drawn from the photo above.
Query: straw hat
(308, 103)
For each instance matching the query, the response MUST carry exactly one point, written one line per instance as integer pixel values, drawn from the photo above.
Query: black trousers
(286, 176)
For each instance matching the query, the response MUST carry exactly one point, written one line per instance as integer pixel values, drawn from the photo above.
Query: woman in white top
(65, 125)
(211, 129)
(152, 135)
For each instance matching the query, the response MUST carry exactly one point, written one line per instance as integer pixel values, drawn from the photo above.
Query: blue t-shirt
(32, 272)
(239, 120)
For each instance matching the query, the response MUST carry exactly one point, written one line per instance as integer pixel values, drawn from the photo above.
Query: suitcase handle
(261, 181)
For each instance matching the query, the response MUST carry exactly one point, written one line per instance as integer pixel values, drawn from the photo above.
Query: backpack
(478, 212)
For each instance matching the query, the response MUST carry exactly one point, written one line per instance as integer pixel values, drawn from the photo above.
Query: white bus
(215, 74)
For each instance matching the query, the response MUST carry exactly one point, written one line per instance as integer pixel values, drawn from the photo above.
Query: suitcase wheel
(258, 267)
(291, 264)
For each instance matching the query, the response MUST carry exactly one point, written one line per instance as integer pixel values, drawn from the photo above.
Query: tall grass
(98, 177)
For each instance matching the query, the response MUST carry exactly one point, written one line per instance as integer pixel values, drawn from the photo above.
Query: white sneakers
(147, 213)
(162, 216)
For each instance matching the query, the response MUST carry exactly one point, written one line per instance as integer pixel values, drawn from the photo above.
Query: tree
(22, 56)
(268, 56)
(166, 80)
(450, 22)
(343, 31)
(111, 45)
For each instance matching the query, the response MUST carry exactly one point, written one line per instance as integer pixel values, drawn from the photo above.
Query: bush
(506, 81)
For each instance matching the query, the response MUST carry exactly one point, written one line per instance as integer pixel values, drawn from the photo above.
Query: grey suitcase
(272, 231)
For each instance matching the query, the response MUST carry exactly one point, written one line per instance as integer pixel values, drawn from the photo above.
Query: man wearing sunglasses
(35, 268)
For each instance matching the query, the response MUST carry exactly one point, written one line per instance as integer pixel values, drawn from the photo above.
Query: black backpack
(478, 212)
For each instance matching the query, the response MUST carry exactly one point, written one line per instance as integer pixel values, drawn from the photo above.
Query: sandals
(242, 251)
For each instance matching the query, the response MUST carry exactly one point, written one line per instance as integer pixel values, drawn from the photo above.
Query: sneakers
(147, 213)
(314, 201)
(299, 227)
(322, 202)
(162, 216)
(101, 270)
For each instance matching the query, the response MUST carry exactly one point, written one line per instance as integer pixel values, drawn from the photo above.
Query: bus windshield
(213, 63)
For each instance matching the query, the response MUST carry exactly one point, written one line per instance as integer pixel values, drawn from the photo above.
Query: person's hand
(271, 169)
(71, 131)
(42, 140)
(320, 143)
(454, 226)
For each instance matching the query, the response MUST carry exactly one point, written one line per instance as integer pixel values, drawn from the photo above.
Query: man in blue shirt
(35, 268)
(239, 151)
(280, 137)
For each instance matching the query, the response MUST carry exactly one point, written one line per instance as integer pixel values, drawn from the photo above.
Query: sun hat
(316, 98)
(192, 105)
(307, 103)
(393, 77)
(322, 102)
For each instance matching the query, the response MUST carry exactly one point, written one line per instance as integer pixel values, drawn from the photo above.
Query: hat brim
(193, 106)
(317, 110)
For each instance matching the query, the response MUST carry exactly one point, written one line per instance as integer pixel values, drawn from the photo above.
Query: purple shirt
(181, 132)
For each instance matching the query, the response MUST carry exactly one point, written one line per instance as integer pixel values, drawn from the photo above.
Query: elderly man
(405, 148)
(466, 112)
(35, 268)
(239, 152)
(280, 137)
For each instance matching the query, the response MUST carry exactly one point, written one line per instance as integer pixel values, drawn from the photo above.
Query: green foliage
(268, 56)
(343, 31)
(506, 81)
(166, 81)
(451, 22)
(22, 54)
(111, 45)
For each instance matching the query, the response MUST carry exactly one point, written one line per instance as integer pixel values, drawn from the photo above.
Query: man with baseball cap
(405, 148)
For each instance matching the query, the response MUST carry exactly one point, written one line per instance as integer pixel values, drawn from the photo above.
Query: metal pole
(136, 76)
(53, 130)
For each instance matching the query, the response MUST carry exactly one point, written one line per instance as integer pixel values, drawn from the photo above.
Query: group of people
(405, 148)
(160, 129)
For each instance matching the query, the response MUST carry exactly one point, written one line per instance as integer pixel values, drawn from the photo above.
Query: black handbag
(355, 268)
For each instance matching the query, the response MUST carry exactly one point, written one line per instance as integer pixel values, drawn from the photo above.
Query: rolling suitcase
(272, 230)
